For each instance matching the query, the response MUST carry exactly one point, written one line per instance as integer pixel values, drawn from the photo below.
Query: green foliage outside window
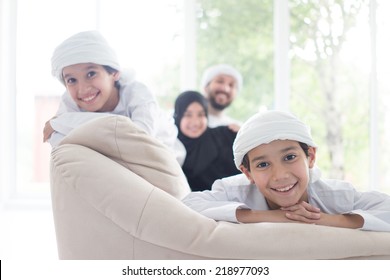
(330, 95)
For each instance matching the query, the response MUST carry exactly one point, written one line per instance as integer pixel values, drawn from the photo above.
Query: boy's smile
(92, 87)
(284, 189)
(280, 170)
(89, 98)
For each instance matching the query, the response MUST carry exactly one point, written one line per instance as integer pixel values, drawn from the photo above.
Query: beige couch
(116, 195)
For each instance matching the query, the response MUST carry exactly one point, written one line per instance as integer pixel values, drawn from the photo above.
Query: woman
(209, 150)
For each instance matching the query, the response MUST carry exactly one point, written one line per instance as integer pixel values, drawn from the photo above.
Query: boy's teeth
(89, 98)
(285, 188)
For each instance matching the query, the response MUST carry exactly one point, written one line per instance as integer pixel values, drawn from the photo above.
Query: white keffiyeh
(221, 69)
(263, 128)
(83, 47)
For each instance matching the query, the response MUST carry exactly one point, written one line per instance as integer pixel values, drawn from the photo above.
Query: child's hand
(302, 212)
(306, 213)
(47, 130)
(234, 127)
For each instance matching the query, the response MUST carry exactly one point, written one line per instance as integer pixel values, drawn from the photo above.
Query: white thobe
(135, 102)
(221, 120)
(331, 196)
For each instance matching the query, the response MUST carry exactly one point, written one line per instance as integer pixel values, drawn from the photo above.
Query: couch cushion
(104, 211)
(119, 139)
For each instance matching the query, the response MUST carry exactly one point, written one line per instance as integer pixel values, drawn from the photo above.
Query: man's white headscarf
(221, 69)
(83, 47)
(263, 128)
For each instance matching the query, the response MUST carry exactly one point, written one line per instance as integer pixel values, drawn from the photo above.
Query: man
(220, 84)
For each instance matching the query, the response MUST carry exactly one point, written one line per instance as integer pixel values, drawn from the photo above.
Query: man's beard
(218, 106)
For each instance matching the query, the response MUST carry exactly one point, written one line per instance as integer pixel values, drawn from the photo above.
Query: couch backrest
(119, 139)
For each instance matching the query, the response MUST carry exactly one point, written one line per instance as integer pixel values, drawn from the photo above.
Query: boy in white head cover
(89, 69)
(280, 183)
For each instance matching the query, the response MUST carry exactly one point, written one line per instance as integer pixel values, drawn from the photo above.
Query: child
(276, 153)
(88, 68)
(209, 154)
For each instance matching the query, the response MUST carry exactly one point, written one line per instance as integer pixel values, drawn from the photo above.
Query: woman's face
(194, 121)
(280, 171)
(92, 87)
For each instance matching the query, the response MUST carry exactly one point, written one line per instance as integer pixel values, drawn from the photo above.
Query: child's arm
(302, 213)
(47, 130)
(306, 213)
(66, 105)
(141, 106)
(214, 205)
(341, 220)
(258, 216)
(65, 123)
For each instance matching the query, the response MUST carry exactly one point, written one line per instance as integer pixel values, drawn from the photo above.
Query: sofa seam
(116, 139)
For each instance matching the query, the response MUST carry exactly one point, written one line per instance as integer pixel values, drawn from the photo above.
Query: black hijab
(210, 156)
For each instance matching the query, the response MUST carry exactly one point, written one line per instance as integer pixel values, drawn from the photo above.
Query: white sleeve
(141, 106)
(222, 201)
(67, 105)
(374, 207)
(146, 117)
(180, 151)
(66, 122)
(214, 205)
(55, 139)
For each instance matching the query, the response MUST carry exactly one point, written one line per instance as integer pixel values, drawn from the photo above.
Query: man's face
(221, 91)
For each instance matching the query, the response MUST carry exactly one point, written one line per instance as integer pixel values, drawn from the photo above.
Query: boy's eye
(290, 157)
(91, 74)
(70, 81)
(262, 164)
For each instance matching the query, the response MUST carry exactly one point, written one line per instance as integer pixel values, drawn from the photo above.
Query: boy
(88, 68)
(276, 153)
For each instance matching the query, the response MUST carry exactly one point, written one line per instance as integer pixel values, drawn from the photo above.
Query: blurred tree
(318, 33)
(239, 33)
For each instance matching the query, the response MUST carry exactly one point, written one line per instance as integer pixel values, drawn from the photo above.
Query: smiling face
(221, 91)
(280, 170)
(92, 87)
(194, 121)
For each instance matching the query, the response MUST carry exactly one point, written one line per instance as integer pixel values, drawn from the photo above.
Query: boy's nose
(280, 173)
(84, 87)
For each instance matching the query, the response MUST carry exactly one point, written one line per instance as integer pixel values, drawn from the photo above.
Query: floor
(27, 234)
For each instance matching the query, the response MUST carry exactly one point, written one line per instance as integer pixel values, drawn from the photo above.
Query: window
(147, 35)
(322, 62)
(168, 42)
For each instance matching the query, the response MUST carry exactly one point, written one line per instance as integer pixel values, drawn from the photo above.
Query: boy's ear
(247, 173)
(312, 156)
(117, 75)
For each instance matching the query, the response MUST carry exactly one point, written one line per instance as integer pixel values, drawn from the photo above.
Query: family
(261, 170)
